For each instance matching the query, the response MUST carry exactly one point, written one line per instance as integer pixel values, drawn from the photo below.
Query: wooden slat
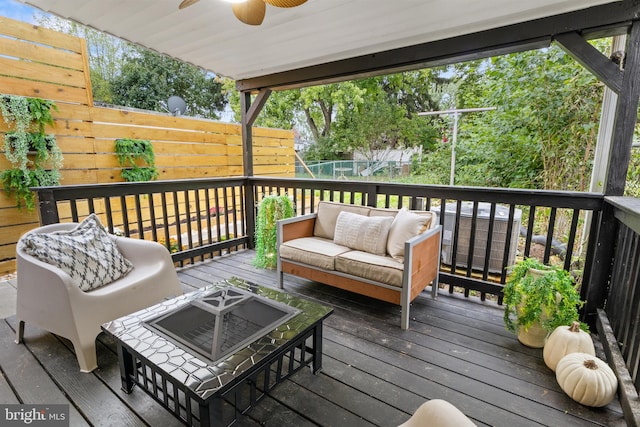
(43, 90)
(38, 53)
(34, 33)
(34, 71)
(128, 117)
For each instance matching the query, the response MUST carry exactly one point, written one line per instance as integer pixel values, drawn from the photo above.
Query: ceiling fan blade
(187, 3)
(285, 3)
(250, 12)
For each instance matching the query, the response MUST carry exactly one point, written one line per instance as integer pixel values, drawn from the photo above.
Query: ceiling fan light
(187, 3)
(250, 12)
(235, 1)
(285, 3)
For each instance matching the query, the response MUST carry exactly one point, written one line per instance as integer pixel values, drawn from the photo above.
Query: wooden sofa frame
(421, 267)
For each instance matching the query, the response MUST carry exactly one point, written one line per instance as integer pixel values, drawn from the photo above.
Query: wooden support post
(249, 115)
(618, 164)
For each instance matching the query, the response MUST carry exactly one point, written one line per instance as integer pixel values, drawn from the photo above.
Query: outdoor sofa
(387, 254)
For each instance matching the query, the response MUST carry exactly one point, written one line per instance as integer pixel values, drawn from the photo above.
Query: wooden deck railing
(193, 218)
(553, 218)
(197, 218)
(619, 322)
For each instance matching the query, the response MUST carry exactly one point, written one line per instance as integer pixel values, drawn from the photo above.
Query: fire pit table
(208, 356)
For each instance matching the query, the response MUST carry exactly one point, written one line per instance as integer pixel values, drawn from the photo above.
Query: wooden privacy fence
(38, 62)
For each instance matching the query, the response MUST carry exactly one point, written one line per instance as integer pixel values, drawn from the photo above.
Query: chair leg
(20, 332)
(86, 355)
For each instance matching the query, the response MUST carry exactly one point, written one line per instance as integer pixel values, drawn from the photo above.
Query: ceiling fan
(250, 11)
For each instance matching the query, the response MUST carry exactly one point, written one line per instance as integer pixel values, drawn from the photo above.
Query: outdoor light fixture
(250, 12)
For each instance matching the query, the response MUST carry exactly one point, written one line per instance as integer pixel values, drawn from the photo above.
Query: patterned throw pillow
(363, 233)
(87, 253)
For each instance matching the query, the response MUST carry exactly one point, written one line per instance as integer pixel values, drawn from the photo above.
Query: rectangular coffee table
(208, 356)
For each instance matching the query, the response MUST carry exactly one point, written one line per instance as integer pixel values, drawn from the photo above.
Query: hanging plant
(17, 183)
(271, 209)
(130, 153)
(34, 155)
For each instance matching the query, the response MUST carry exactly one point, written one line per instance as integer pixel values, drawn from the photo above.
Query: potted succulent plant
(537, 299)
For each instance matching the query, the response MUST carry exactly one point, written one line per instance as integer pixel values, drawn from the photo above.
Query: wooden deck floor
(374, 374)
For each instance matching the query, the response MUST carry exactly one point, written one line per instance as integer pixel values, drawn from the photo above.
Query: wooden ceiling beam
(592, 59)
(608, 19)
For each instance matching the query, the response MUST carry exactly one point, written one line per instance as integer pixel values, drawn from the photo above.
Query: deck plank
(85, 391)
(374, 373)
(31, 382)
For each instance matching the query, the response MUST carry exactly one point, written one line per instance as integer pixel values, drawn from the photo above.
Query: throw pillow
(87, 253)
(363, 233)
(405, 226)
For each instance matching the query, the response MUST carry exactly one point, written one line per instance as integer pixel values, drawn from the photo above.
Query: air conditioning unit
(498, 238)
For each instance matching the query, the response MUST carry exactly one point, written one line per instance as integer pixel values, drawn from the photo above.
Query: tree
(544, 130)
(106, 54)
(148, 78)
(363, 115)
(131, 76)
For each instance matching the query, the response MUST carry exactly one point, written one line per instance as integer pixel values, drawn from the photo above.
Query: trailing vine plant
(132, 152)
(271, 209)
(34, 155)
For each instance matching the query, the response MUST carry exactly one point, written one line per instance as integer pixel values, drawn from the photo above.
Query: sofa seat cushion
(369, 266)
(327, 217)
(314, 251)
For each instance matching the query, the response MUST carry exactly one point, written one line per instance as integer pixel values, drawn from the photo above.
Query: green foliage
(17, 183)
(544, 130)
(148, 78)
(361, 115)
(632, 188)
(27, 119)
(130, 153)
(271, 209)
(528, 296)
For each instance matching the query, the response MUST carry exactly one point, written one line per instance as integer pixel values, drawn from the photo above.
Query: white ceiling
(208, 35)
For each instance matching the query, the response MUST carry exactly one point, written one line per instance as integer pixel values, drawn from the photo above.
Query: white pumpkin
(586, 379)
(438, 413)
(564, 340)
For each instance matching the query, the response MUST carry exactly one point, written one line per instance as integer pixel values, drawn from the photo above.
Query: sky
(19, 11)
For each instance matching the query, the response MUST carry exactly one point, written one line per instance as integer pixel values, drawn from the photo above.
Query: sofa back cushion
(407, 224)
(363, 233)
(328, 212)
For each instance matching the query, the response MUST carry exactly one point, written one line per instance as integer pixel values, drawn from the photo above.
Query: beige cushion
(328, 214)
(363, 233)
(406, 225)
(373, 267)
(383, 212)
(313, 251)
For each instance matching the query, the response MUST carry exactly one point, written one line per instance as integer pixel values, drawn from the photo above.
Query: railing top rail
(131, 188)
(627, 211)
(550, 198)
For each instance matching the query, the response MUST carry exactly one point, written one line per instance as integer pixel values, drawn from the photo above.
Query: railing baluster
(109, 213)
(125, 215)
(568, 255)
(139, 216)
(549, 242)
(152, 216)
